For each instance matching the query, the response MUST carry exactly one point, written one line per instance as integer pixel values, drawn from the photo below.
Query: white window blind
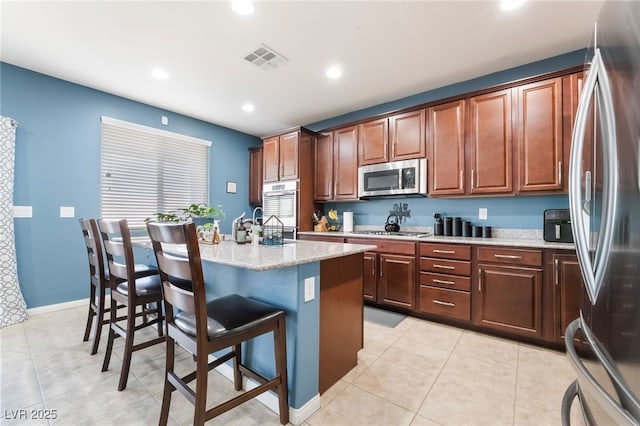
(147, 170)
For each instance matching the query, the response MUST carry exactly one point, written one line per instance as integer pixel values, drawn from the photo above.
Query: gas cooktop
(398, 234)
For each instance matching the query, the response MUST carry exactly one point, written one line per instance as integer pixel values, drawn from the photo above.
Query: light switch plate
(22, 211)
(67, 211)
(309, 289)
(482, 214)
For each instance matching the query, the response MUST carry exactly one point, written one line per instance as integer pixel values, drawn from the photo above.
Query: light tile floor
(418, 373)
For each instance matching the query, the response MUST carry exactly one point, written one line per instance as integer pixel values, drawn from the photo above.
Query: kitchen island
(319, 285)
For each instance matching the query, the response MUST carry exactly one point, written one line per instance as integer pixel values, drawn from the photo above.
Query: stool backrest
(94, 251)
(116, 238)
(174, 268)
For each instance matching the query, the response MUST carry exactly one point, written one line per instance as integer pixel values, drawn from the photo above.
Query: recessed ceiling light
(242, 7)
(248, 107)
(511, 4)
(334, 72)
(159, 74)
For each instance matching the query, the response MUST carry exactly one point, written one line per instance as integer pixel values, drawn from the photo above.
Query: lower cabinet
(389, 273)
(445, 281)
(508, 293)
(565, 284)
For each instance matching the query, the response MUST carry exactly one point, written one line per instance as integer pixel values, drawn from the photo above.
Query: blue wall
(509, 212)
(58, 164)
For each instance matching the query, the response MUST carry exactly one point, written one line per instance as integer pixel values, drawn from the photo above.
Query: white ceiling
(388, 50)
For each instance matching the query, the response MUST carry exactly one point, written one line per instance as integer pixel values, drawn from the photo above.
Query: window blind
(146, 170)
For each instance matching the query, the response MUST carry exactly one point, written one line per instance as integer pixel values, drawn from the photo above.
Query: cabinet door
(407, 135)
(446, 148)
(397, 280)
(373, 141)
(571, 89)
(567, 284)
(288, 156)
(491, 145)
(370, 276)
(509, 299)
(539, 136)
(324, 168)
(255, 176)
(271, 158)
(345, 172)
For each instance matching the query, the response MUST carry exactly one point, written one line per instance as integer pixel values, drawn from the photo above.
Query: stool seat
(146, 286)
(228, 315)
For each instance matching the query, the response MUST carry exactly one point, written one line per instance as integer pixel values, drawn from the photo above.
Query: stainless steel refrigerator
(603, 344)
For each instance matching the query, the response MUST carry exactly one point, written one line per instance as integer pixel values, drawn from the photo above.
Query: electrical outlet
(482, 214)
(22, 211)
(309, 289)
(67, 211)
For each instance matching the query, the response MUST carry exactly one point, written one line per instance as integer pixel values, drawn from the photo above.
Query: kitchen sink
(398, 234)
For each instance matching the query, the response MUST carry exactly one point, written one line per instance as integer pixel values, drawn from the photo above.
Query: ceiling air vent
(265, 57)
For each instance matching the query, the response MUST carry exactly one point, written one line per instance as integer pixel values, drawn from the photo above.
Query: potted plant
(205, 217)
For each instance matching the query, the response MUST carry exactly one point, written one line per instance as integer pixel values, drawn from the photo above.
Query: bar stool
(203, 328)
(131, 291)
(99, 281)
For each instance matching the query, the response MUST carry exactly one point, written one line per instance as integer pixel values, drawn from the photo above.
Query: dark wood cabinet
(389, 272)
(445, 281)
(571, 89)
(288, 156)
(373, 142)
(565, 285)
(508, 293)
(539, 137)
(323, 181)
(407, 135)
(446, 148)
(255, 176)
(490, 136)
(345, 167)
(271, 159)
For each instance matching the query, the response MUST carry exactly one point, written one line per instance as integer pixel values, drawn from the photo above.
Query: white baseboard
(58, 307)
(297, 416)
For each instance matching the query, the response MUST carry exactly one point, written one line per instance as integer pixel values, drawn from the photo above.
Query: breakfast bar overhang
(318, 284)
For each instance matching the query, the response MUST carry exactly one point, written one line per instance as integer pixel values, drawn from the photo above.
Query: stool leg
(237, 360)
(202, 376)
(280, 349)
(99, 321)
(128, 347)
(87, 330)
(168, 387)
(112, 334)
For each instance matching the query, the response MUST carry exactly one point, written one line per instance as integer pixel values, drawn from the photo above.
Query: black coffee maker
(438, 226)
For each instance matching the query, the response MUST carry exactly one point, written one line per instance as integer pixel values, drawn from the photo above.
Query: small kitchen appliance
(557, 226)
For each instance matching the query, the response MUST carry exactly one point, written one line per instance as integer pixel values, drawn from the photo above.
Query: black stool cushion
(229, 314)
(145, 286)
(143, 270)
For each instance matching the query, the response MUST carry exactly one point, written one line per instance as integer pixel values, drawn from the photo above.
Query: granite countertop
(263, 258)
(528, 238)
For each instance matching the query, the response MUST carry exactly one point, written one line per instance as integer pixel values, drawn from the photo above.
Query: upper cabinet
(399, 137)
(539, 138)
(446, 148)
(255, 176)
(491, 143)
(324, 167)
(345, 168)
(281, 155)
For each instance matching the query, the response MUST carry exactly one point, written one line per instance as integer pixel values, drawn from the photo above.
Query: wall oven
(397, 178)
(281, 199)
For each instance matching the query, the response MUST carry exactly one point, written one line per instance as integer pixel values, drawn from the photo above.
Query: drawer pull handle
(444, 251)
(440, 302)
(507, 256)
(435, 280)
(443, 266)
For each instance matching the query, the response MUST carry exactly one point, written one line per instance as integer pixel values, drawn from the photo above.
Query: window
(147, 170)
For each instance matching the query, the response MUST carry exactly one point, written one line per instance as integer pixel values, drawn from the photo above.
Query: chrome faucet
(234, 226)
(254, 214)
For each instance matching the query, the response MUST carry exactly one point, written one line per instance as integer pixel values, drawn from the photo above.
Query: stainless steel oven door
(280, 199)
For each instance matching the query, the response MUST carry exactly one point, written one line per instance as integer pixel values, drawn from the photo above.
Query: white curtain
(13, 309)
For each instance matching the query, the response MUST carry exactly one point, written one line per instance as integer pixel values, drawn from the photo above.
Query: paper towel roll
(347, 221)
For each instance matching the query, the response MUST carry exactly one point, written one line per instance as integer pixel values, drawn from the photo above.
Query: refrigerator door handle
(567, 401)
(593, 272)
(587, 384)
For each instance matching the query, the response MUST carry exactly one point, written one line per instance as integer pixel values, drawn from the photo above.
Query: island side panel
(341, 317)
(283, 287)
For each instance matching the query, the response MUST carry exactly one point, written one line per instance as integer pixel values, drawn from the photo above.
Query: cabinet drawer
(446, 251)
(510, 255)
(444, 266)
(449, 303)
(450, 282)
(386, 246)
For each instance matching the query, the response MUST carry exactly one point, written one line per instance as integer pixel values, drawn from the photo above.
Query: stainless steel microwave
(397, 178)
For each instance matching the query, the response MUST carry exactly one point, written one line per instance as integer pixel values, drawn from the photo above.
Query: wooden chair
(203, 328)
(99, 281)
(132, 292)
